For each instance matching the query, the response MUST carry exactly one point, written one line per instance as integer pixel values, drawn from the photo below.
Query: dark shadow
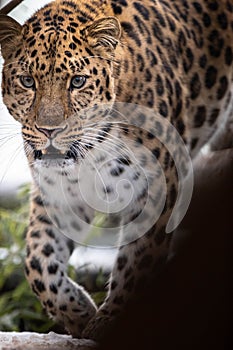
(190, 304)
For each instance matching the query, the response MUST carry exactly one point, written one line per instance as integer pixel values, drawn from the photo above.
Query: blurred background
(13, 165)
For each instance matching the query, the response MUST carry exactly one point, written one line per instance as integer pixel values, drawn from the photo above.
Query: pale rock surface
(36, 341)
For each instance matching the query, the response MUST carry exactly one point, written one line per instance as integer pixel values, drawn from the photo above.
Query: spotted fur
(172, 57)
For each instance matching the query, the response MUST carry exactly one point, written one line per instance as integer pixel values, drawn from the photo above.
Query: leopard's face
(55, 78)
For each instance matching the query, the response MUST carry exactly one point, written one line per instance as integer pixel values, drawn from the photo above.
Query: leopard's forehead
(55, 36)
(60, 15)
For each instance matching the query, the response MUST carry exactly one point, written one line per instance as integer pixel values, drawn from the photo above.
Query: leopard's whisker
(117, 152)
(7, 138)
(10, 162)
(108, 139)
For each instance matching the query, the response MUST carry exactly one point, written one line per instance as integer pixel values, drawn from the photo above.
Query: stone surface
(36, 341)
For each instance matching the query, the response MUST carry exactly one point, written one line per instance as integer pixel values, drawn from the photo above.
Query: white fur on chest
(75, 193)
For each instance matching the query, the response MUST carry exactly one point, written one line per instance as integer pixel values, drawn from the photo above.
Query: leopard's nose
(51, 132)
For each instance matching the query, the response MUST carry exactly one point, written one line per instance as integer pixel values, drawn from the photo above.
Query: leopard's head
(59, 67)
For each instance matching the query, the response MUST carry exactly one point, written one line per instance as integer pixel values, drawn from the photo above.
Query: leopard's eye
(78, 82)
(27, 81)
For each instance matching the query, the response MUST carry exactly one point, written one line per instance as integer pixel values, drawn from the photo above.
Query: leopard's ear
(10, 34)
(105, 32)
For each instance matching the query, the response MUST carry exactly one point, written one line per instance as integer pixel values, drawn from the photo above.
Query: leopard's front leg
(135, 264)
(46, 270)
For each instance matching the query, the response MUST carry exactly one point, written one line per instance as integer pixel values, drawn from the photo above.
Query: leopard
(113, 98)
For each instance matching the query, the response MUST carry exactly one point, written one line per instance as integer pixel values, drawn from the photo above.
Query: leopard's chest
(79, 198)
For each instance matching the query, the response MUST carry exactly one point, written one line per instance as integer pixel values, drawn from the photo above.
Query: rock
(36, 341)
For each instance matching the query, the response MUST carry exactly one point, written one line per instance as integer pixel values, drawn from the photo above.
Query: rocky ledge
(36, 341)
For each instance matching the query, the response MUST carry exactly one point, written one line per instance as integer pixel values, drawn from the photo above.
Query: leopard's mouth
(55, 154)
(51, 153)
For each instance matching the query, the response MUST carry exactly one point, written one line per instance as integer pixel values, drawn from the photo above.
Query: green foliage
(100, 282)
(19, 308)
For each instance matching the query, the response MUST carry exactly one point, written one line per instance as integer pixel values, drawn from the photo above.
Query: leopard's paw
(97, 327)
